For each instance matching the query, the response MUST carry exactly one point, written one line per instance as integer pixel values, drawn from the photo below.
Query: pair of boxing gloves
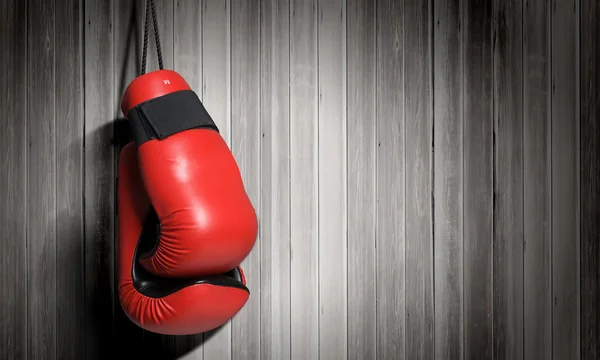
(185, 221)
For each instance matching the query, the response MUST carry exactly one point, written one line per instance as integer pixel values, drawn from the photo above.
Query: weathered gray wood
(566, 300)
(128, 22)
(391, 182)
(216, 96)
(216, 62)
(304, 180)
(537, 263)
(13, 181)
(187, 45)
(361, 155)
(508, 181)
(100, 108)
(187, 42)
(419, 182)
(161, 346)
(477, 182)
(245, 145)
(41, 180)
(448, 178)
(274, 216)
(69, 181)
(590, 179)
(333, 310)
(297, 175)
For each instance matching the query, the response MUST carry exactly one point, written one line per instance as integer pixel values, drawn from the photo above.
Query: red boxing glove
(170, 306)
(207, 222)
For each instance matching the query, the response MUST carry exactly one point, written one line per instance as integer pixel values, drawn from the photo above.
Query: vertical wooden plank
(361, 192)
(69, 182)
(128, 19)
(275, 181)
(216, 63)
(477, 182)
(590, 179)
(216, 96)
(418, 216)
(245, 145)
(331, 29)
(163, 345)
(567, 304)
(129, 24)
(13, 182)
(537, 268)
(187, 45)
(508, 180)
(99, 177)
(448, 178)
(187, 42)
(41, 181)
(391, 181)
(304, 180)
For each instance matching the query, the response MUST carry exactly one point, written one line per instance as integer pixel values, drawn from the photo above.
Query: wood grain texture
(216, 63)
(187, 61)
(361, 167)
(274, 217)
(216, 97)
(187, 42)
(537, 262)
(128, 22)
(128, 19)
(13, 181)
(161, 346)
(391, 182)
(415, 166)
(245, 145)
(477, 184)
(41, 180)
(418, 155)
(508, 181)
(332, 170)
(448, 178)
(70, 314)
(100, 109)
(590, 179)
(566, 284)
(304, 180)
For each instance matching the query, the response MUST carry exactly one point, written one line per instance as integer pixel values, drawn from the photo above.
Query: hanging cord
(149, 7)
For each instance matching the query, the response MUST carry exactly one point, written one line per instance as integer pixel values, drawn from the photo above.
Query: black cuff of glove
(169, 114)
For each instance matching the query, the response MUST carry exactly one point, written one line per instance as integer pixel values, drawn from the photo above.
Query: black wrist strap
(169, 114)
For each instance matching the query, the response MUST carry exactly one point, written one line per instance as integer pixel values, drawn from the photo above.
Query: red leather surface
(151, 85)
(208, 224)
(192, 310)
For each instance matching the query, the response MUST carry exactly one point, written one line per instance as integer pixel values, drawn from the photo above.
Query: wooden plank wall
(589, 177)
(426, 174)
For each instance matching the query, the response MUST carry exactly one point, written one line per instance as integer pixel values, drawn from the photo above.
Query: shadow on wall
(107, 331)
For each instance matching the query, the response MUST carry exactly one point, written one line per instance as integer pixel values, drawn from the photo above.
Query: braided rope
(150, 6)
